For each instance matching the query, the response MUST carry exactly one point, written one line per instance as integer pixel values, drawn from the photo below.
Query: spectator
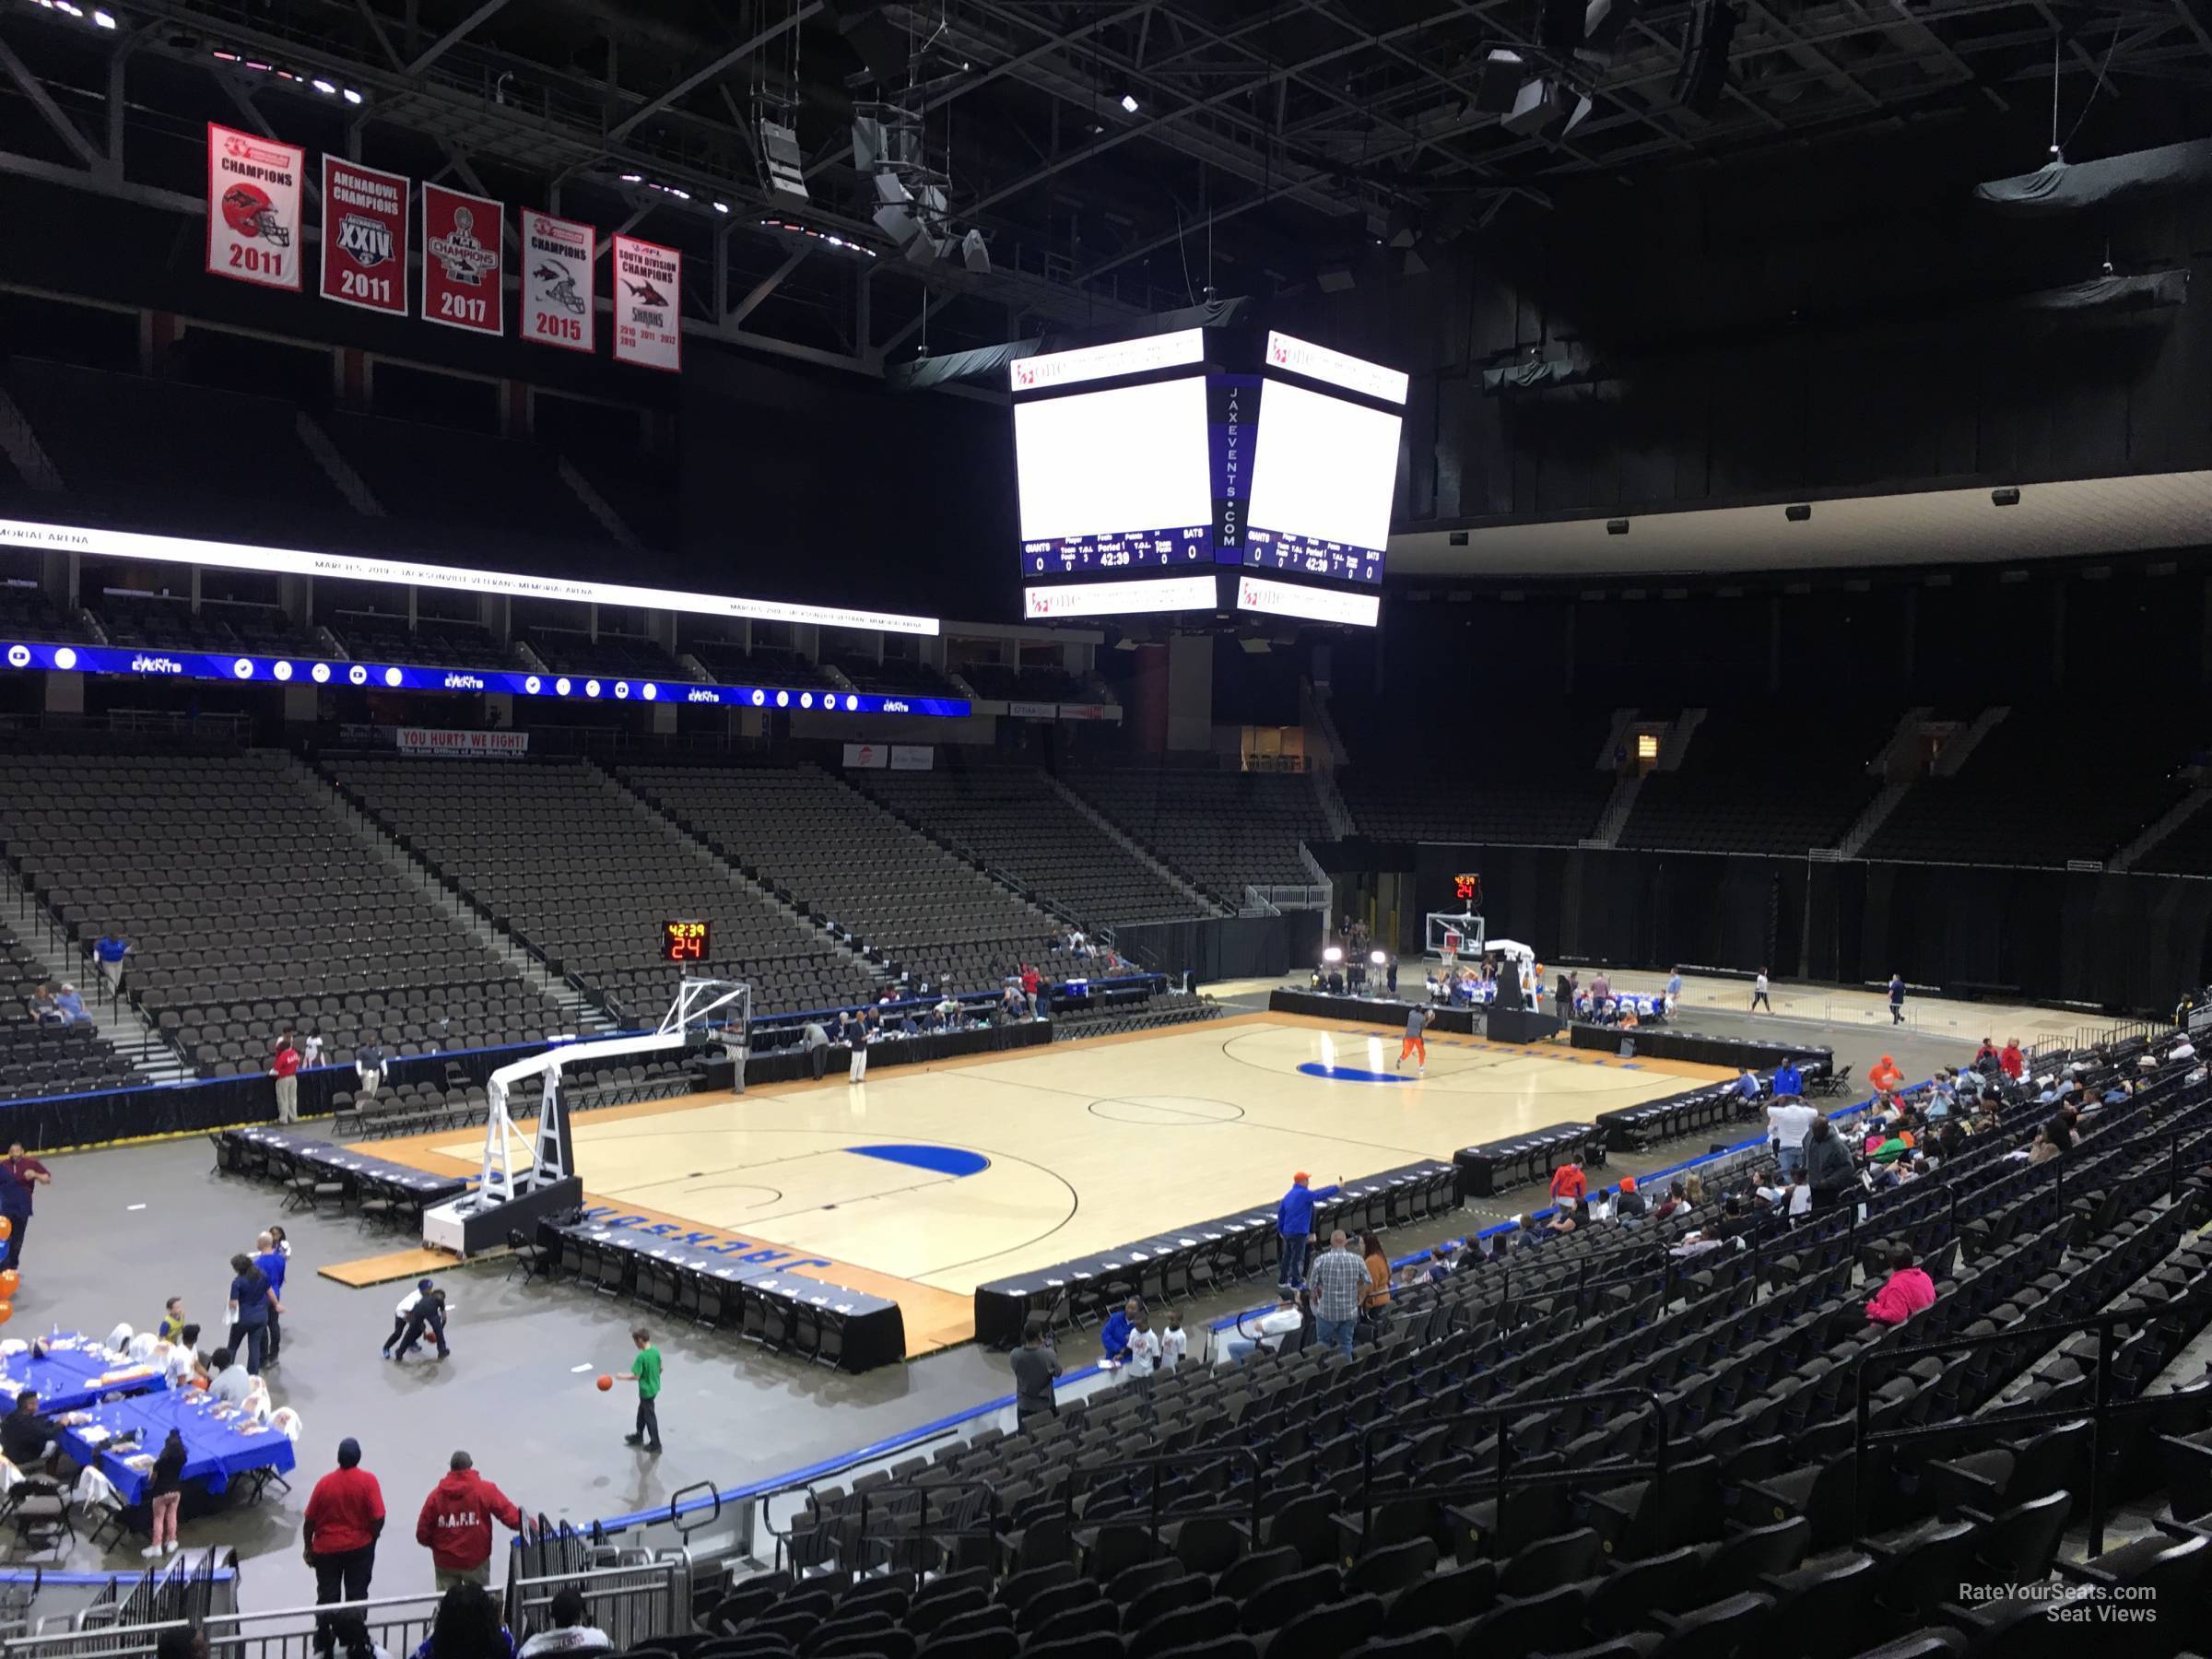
(1440, 1266)
(310, 1053)
(1693, 1189)
(467, 1627)
(21, 1176)
(369, 1065)
(1759, 993)
(1632, 1206)
(1562, 995)
(1601, 987)
(2012, 1061)
(1828, 1166)
(645, 1371)
(1340, 1283)
(173, 1319)
(109, 950)
(456, 1523)
(818, 1047)
(1569, 1218)
(1270, 1333)
(1143, 1363)
(253, 1303)
(284, 1066)
(2042, 1149)
(1113, 1336)
(1908, 1290)
(232, 1382)
(166, 1488)
(1885, 1075)
(1789, 1082)
(1567, 1183)
(1378, 1277)
(273, 1262)
(187, 1365)
(1747, 1089)
(428, 1315)
(26, 1438)
(401, 1313)
(1675, 1201)
(72, 1006)
(1294, 1224)
(1174, 1342)
(568, 1634)
(1032, 982)
(44, 1009)
(1035, 1365)
(1986, 1057)
(345, 1516)
(1897, 999)
(1674, 989)
(1789, 1119)
(2059, 1132)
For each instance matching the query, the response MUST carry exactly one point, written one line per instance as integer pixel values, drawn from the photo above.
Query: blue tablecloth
(65, 1377)
(216, 1448)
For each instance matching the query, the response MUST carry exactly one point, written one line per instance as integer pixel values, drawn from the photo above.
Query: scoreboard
(686, 941)
(1187, 481)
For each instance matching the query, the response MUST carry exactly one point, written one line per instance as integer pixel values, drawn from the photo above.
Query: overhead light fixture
(352, 97)
(780, 164)
(1797, 512)
(722, 207)
(104, 19)
(973, 253)
(328, 88)
(2008, 497)
(1129, 103)
(1704, 73)
(633, 178)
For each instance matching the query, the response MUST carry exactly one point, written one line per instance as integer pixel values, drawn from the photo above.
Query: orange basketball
(605, 1383)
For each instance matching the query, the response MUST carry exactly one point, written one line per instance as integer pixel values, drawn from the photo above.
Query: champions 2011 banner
(254, 208)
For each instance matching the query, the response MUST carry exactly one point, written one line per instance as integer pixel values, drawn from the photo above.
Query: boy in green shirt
(647, 1376)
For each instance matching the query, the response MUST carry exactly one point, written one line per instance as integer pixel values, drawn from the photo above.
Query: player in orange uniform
(1417, 1022)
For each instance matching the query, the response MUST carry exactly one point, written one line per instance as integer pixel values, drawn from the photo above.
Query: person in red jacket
(1908, 1290)
(345, 1515)
(1031, 981)
(285, 1066)
(2012, 1063)
(456, 1523)
(1568, 1183)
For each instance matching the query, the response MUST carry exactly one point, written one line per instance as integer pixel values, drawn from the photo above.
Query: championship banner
(434, 740)
(557, 283)
(461, 261)
(648, 287)
(364, 236)
(252, 208)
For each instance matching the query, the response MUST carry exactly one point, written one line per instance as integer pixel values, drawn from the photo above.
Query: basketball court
(926, 1181)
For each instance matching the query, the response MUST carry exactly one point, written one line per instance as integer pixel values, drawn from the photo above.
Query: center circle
(1165, 1112)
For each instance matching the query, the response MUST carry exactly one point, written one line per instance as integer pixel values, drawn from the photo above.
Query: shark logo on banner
(558, 294)
(252, 208)
(649, 285)
(461, 260)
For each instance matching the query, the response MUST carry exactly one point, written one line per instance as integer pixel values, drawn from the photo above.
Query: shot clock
(686, 941)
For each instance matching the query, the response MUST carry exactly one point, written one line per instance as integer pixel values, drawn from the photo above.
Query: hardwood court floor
(924, 1181)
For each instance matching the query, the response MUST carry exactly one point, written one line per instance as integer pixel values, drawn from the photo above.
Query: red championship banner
(364, 237)
(557, 283)
(252, 208)
(461, 261)
(649, 286)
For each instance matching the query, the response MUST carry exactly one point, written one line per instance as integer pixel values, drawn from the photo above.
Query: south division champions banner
(461, 260)
(557, 283)
(364, 237)
(252, 208)
(648, 294)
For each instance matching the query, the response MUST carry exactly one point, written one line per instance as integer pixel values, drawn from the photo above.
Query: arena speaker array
(1704, 73)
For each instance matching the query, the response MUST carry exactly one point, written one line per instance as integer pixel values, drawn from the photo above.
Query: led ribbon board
(295, 561)
(394, 677)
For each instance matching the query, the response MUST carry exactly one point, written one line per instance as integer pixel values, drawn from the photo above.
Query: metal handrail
(1494, 1484)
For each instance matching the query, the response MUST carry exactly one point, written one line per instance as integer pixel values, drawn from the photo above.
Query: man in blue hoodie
(1114, 1336)
(1294, 1220)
